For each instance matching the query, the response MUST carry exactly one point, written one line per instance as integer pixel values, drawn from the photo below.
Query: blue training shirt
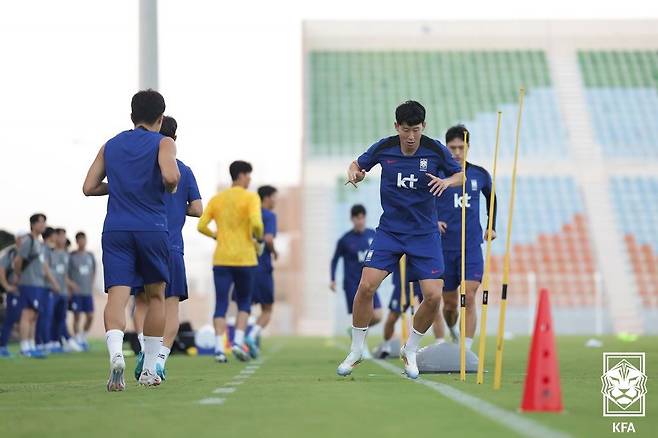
(409, 207)
(449, 207)
(352, 247)
(136, 192)
(269, 224)
(176, 204)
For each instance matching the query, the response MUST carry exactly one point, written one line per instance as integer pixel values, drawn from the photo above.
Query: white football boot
(409, 359)
(352, 360)
(116, 381)
(149, 378)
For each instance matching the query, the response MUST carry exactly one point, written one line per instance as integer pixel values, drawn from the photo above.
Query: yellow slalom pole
(412, 301)
(487, 262)
(462, 288)
(403, 298)
(498, 371)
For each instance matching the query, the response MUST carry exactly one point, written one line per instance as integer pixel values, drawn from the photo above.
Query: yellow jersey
(238, 220)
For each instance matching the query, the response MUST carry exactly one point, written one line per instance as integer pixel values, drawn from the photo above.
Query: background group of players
(42, 281)
(150, 194)
(421, 197)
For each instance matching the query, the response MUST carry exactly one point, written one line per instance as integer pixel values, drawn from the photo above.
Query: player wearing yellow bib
(237, 216)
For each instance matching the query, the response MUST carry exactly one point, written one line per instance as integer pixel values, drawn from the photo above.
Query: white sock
(152, 346)
(440, 341)
(163, 355)
(238, 338)
(25, 346)
(468, 342)
(79, 338)
(219, 344)
(32, 344)
(84, 337)
(140, 338)
(414, 340)
(114, 340)
(255, 331)
(358, 339)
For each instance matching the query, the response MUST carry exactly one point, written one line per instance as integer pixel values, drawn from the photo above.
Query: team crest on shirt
(369, 255)
(474, 185)
(423, 164)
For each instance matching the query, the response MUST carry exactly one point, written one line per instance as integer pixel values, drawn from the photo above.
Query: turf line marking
(224, 390)
(234, 383)
(521, 425)
(211, 401)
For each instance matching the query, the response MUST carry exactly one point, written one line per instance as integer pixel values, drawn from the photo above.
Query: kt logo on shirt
(408, 182)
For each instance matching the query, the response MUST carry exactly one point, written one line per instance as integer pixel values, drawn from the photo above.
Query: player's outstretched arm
(438, 185)
(93, 184)
(355, 174)
(168, 165)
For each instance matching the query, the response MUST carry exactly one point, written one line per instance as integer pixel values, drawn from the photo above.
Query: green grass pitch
(296, 393)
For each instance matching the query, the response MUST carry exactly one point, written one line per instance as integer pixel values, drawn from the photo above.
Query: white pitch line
(211, 401)
(224, 390)
(522, 426)
(247, 372)
(234, 383)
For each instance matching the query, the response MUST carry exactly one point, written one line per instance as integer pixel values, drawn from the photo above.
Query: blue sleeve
(486, 191)
(369, 158)
(269, 224)
(447, 164)
(193, 189)
(338, 253)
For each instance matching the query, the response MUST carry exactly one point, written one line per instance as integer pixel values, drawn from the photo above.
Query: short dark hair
(48, 232)
(410, 112)
(68, 243)
(80, 234)
(169, 127)
(457, 132)
(266, 191)
(60, 230)
(36, 217)
(238, 167)
(147, 106)
(357, 209)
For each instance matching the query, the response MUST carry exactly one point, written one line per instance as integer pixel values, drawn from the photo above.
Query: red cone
(542, 391)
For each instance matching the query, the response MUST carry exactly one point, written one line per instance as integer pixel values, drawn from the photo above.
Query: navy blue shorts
(82, 304)
(242, 279)
(474, 267)
(263, 292)
(134, 258)
(350, 293)
(424, 254)
(394, 304)
(177, 285)
(31, 297)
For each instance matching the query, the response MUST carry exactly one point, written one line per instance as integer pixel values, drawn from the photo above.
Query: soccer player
(47, 300)
(13, 308)
(82, 272)
(140, 165)
(59, 263)
(408, 225)
(237, 216)
(185, 202)
(478, 181)
(263, 293)
(352, 247)
(32, 274)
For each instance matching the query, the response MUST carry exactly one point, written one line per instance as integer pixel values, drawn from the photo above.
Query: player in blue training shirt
(185, 202)
(478, 181)
(140, 165)
(410, 162)
(352, 247)
(263, 293)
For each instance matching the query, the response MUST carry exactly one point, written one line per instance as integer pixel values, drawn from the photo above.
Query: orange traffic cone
(542, 391)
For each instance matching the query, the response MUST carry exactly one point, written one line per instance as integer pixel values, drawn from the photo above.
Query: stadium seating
(550, 238)
(352, 96)
(636, 203)
(622, 94)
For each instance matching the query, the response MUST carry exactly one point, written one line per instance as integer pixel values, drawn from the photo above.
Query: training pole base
(444, 358)
(394, 350)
